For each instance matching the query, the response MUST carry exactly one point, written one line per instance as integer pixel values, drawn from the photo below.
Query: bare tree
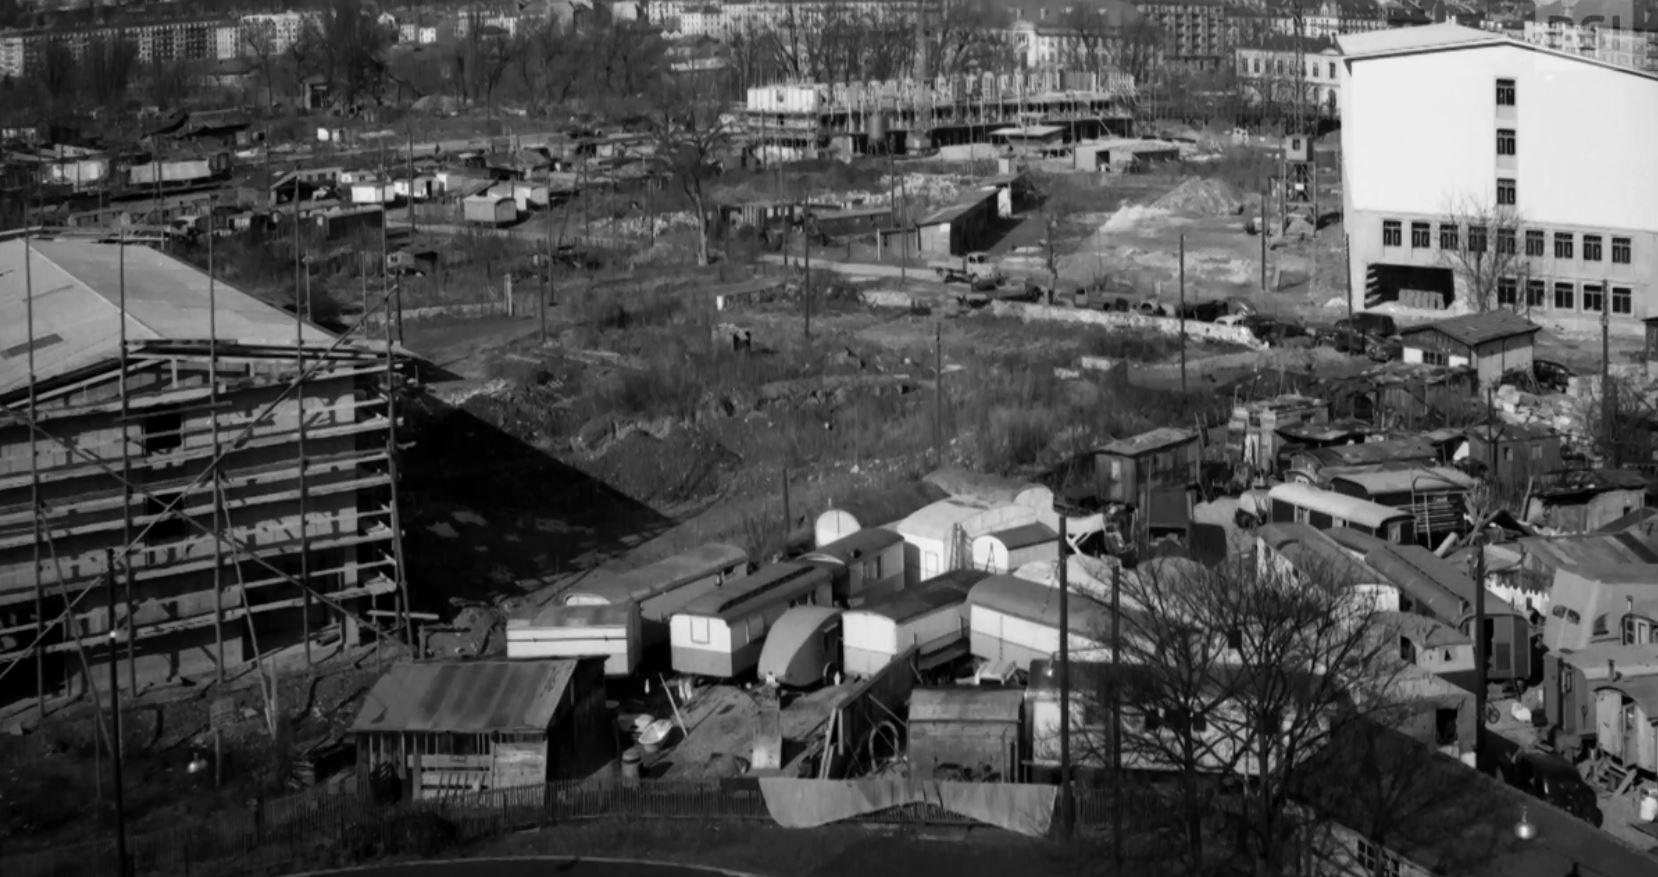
(692, 136)
(969, 36)
(346, 45)
(481, 58)
(1485, 248)
(258, 42)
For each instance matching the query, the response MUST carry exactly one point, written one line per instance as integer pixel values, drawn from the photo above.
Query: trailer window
(699, 630)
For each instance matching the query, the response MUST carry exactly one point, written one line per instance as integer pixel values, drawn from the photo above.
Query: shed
(883, 508)
(458, 725)
(1436, 496)
(1124, 155)
(965, 734)
(1154, 471)
(1042, 140)
(487, 209)
(1580, 500)
(1493, 342)
(1005, 550)
(1513, 453)
(959, 228)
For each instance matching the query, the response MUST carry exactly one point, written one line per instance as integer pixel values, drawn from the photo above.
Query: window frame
(1506, 244)
(1478, 238)
(1421, 236)
(1537, 294)
(1508, 92)
(1450, 236)
(1622, 250)
(1592, 248)
(1393, 233)
(1565, 243)
(1594, 305)
(1564, 291)
(1508, 292)
(1508, 192)
(1541, 240)
(1508, 141)
(1623, 300)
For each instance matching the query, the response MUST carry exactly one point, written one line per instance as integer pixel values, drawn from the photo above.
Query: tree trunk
(702, 225)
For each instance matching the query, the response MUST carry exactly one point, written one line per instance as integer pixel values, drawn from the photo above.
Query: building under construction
(791, 122)
(188, 476)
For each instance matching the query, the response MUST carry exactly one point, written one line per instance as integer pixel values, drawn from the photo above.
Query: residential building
(1267, 71)
(154, 41)
(237, 490)
(1476, 170)
(1623, 48)
(269, 33)
(1196, 33)
(1327, 19)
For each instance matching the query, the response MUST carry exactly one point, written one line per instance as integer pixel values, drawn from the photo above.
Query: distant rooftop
(1482, 328)
(1146, 442)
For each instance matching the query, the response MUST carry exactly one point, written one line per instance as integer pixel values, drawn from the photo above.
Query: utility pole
(1608, 400)
(1183, 313)
(1479, 644)
(1264, 195)
(904, 235)
(1117, 717)
(806, 262)
(1347, 272)
(121, 864)
(411, 177)
(938, 394)
(1066, 811)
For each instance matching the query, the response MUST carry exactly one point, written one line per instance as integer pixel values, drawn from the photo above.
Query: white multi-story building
(1267, 69)
(1624, 48)
(1451, 134)
(272, 33)
(11, 56)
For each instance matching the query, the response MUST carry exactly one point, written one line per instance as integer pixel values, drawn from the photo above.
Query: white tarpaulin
(1018, 807)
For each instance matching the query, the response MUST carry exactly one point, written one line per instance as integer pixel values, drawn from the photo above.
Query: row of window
(1565, 296)
(1280, 67)
(1565, 242)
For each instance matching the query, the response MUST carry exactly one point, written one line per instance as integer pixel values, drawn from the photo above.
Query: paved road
(551, 867)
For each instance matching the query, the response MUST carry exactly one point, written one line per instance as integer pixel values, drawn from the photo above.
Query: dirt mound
(1204, 196)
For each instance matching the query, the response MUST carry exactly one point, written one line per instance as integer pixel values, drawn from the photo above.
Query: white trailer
(610, 631)
(930, 617)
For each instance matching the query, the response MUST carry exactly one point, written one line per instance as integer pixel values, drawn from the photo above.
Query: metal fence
(327, 831)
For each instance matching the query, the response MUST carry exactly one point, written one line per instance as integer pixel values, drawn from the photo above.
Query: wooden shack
(961, 227)
(1513, 453)
(966, 733)
(1581, 500)
(1493, 343)
(446, 726)
(1253, 432)
(1154, 472)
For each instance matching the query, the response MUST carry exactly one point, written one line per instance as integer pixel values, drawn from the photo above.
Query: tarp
(1018, 807)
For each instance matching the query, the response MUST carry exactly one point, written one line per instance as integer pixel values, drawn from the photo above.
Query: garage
(1413, 286)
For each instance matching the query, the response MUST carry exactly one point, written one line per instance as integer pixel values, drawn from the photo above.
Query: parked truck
(975, 268)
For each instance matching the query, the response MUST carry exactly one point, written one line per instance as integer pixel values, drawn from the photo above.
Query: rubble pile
(1201, 195)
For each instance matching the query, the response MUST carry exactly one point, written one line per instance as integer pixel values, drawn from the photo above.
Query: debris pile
(1201, 195)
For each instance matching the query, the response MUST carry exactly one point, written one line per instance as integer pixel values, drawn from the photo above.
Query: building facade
(1637, 50)
(1477, 170)
(1196, 33)
(1267, 72)
(21, 54)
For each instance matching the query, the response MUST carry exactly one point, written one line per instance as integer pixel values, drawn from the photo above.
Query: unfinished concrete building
(794, 121)
(170, 484)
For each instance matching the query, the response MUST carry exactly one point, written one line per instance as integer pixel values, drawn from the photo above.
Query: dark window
(1447, 236)
(1622, 300)
(1505, 141)
(1563, 295)
(1476, 238)
(171, 528)
(1508, 291)
(1505, 241)
(1150, 719)
(1505, 191)
(1392, 233)
(1505, 92)
(163, 433)
(1234, 639)
(1600, 626)
(1420, 237)
(1434, 357)
(1620, 251)
(1536, 293)
(1562, 245)
(1591, 248)
(1593, 298)
(1534, 243)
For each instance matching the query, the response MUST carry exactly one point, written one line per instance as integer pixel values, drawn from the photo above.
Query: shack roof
(76, 287)
(1147, 442)
(1628, 522)
(966, 705)
(964, 205)
(1024, 536)
(1369, 453)
(1588, 549)
(1028, 131)
(938, 592)
(1576, 482)
(1433, 581)
(1594, 660)
(1313, 553)
(466, 697)
(1476, 329)
(1427, 479)
(863, 543)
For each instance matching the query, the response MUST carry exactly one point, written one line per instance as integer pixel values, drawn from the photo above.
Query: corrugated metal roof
(1146, 442)
(76, 287)
(1590, 549)
(966, 705)
(1366, 453)
(466, 697)
(1481, 328)
(1433, 581)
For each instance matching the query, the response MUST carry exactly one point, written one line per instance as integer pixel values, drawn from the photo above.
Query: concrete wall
(1407, 158)
(1118, 320)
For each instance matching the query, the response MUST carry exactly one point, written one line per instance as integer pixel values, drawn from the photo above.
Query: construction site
(789, 122)
(193, 478)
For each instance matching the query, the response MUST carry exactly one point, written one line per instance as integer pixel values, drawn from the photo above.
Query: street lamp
(1524, 829)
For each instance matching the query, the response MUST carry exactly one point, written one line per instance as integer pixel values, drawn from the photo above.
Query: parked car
(1204, 311)
(1151, 308)
(1544, 376)
(1553, 779)
(1380, 325)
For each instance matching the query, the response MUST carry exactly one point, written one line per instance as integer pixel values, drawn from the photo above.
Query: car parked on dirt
(1548, 777)
(1544, 376)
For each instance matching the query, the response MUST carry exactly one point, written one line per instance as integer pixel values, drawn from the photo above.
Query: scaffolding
(168, 462)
